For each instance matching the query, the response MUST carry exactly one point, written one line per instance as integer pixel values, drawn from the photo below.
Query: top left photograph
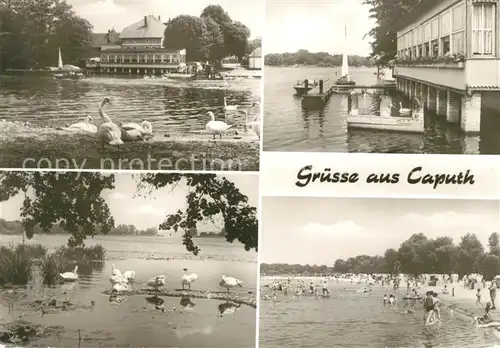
(131, 85)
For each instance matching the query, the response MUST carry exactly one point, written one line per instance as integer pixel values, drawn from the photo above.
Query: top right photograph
(382, 76)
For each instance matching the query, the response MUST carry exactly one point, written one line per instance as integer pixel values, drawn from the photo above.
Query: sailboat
(345, 79)
(66, 71)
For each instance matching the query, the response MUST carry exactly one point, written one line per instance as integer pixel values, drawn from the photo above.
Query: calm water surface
(352, 319)
(289, 127)
(172, 106)
(135, 323)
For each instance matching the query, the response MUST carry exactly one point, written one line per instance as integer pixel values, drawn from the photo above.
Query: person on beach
(493, 293)
(478, 298)
(428, 307)
(437, 305)
(311, 287)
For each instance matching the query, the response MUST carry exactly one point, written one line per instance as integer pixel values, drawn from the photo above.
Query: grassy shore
(24, 147)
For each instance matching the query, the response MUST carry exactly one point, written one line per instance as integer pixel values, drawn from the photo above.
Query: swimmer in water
(486, 318)
(385, 299)
(392, 300)
(410, 310)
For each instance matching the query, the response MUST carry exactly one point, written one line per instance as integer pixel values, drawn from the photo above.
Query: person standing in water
(493, 293)
(428, 307)
(325, 287)
(478, 298)
(437, 305)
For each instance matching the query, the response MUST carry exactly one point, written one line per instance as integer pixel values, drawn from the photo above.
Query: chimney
(145, 21)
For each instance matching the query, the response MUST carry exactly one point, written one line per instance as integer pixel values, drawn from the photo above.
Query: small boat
(302, 88)
(345, 80)
(414, 124)
(179, 76)
(66, 72)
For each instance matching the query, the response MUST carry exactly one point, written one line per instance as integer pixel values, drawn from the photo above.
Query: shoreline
(249, 299)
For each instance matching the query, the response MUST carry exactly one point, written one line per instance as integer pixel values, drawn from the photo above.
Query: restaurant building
(448, 55)
(141, 51)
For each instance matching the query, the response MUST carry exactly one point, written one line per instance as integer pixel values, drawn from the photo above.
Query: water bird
(156, 282)
(120, 287)
(254, 124)
(187, 279)
(216, 127)
(129, 276)
(108, 132)
(70, 276)
(117, 279)
(228, 308)
(229, 282)
(403, 111)
(135, 132)
(115, 271)
(229, 107)
(85, 126)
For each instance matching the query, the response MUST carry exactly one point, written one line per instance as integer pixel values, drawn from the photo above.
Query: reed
(15, 263)
(52, 265)
(83, 255)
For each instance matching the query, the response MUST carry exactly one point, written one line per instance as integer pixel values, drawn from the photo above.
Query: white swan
(229, 107)
(156, 282)
(115, 271)
(129, 275)
(117, 279)
(120, 287)
(254, 124)
(187, 279)
(85, 126)
(70, 276)
(216, 127)
(134, 132)
(108, 132)
(403, 111)
(229, 282)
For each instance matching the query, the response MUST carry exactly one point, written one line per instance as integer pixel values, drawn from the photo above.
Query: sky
(317, 26)
(146, 212)
(322, 230)
(117, 14)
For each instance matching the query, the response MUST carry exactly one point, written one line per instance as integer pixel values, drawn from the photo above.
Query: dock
(321, 93)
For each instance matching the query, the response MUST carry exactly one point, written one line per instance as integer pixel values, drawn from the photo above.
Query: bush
(15, 267)
(96, 253)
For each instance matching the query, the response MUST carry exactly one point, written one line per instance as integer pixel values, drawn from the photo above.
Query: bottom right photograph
(354, 272)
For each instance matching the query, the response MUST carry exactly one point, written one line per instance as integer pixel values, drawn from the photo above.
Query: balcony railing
(134, 62)
(455, 61)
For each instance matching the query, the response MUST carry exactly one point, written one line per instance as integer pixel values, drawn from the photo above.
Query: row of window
(142, 41)
(445, 34)
(150, 58)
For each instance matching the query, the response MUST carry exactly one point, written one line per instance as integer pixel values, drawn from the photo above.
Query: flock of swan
(109, 133)
(120, 282)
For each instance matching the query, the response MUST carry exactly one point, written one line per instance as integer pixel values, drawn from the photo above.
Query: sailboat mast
(60, 63)
(345, 64)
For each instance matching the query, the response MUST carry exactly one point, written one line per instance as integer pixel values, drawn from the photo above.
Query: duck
(187, 279)
(108, 132)
(70, 276)
(403, 111)
(85, 126)
(156, 282)
(129, 275)
(134, 132)
(120, 287)
(216, 127)
(229, 282)
(229, 107)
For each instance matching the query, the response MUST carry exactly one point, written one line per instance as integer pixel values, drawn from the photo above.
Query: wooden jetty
(325, 88)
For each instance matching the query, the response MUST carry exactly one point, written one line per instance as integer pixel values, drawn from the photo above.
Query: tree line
(16, 228)
(74, 202)
(210, 37)
(32, 30)
(417, 255)
(321, 59)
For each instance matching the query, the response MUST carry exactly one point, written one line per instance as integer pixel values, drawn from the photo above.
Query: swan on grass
(156, 282)
(403, 111)
(229, 107)
(216, 127)
(108, 132)
(134, 131)
(85, 126)
(229, 282)
(70, 276)
(187, 279)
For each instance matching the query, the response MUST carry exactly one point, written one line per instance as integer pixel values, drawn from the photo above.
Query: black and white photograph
(117, 84)
(361, 272)
(390, 76)
(128, 260)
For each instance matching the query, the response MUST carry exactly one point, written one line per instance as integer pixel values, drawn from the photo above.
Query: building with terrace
(448, 56)
(141, 51)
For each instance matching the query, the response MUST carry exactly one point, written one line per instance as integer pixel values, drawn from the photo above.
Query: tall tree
(74, 201)
(186, 32)
(470, 254)
(494, 244)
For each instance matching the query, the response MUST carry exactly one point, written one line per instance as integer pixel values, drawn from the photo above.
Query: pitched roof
(101, 39)
(148, 27)
(257, 52)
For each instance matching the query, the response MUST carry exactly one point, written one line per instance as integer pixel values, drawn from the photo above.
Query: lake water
(352, 319)
(174, 107)
(134, 322)
(289, 127)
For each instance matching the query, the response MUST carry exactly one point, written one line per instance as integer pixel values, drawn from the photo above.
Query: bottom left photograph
(129, 260)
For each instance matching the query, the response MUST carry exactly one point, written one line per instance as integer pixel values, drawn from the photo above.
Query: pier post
(452, 109)
(438, 92)
(471, 113)
(320, 86)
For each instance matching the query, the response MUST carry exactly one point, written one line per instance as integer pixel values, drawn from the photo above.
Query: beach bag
(428, 304)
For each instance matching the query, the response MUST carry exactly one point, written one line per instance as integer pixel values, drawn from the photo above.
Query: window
(458, 29)
(419, 51)
(427, 51)
(434, 48)
(445, 45)
(483, 24)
